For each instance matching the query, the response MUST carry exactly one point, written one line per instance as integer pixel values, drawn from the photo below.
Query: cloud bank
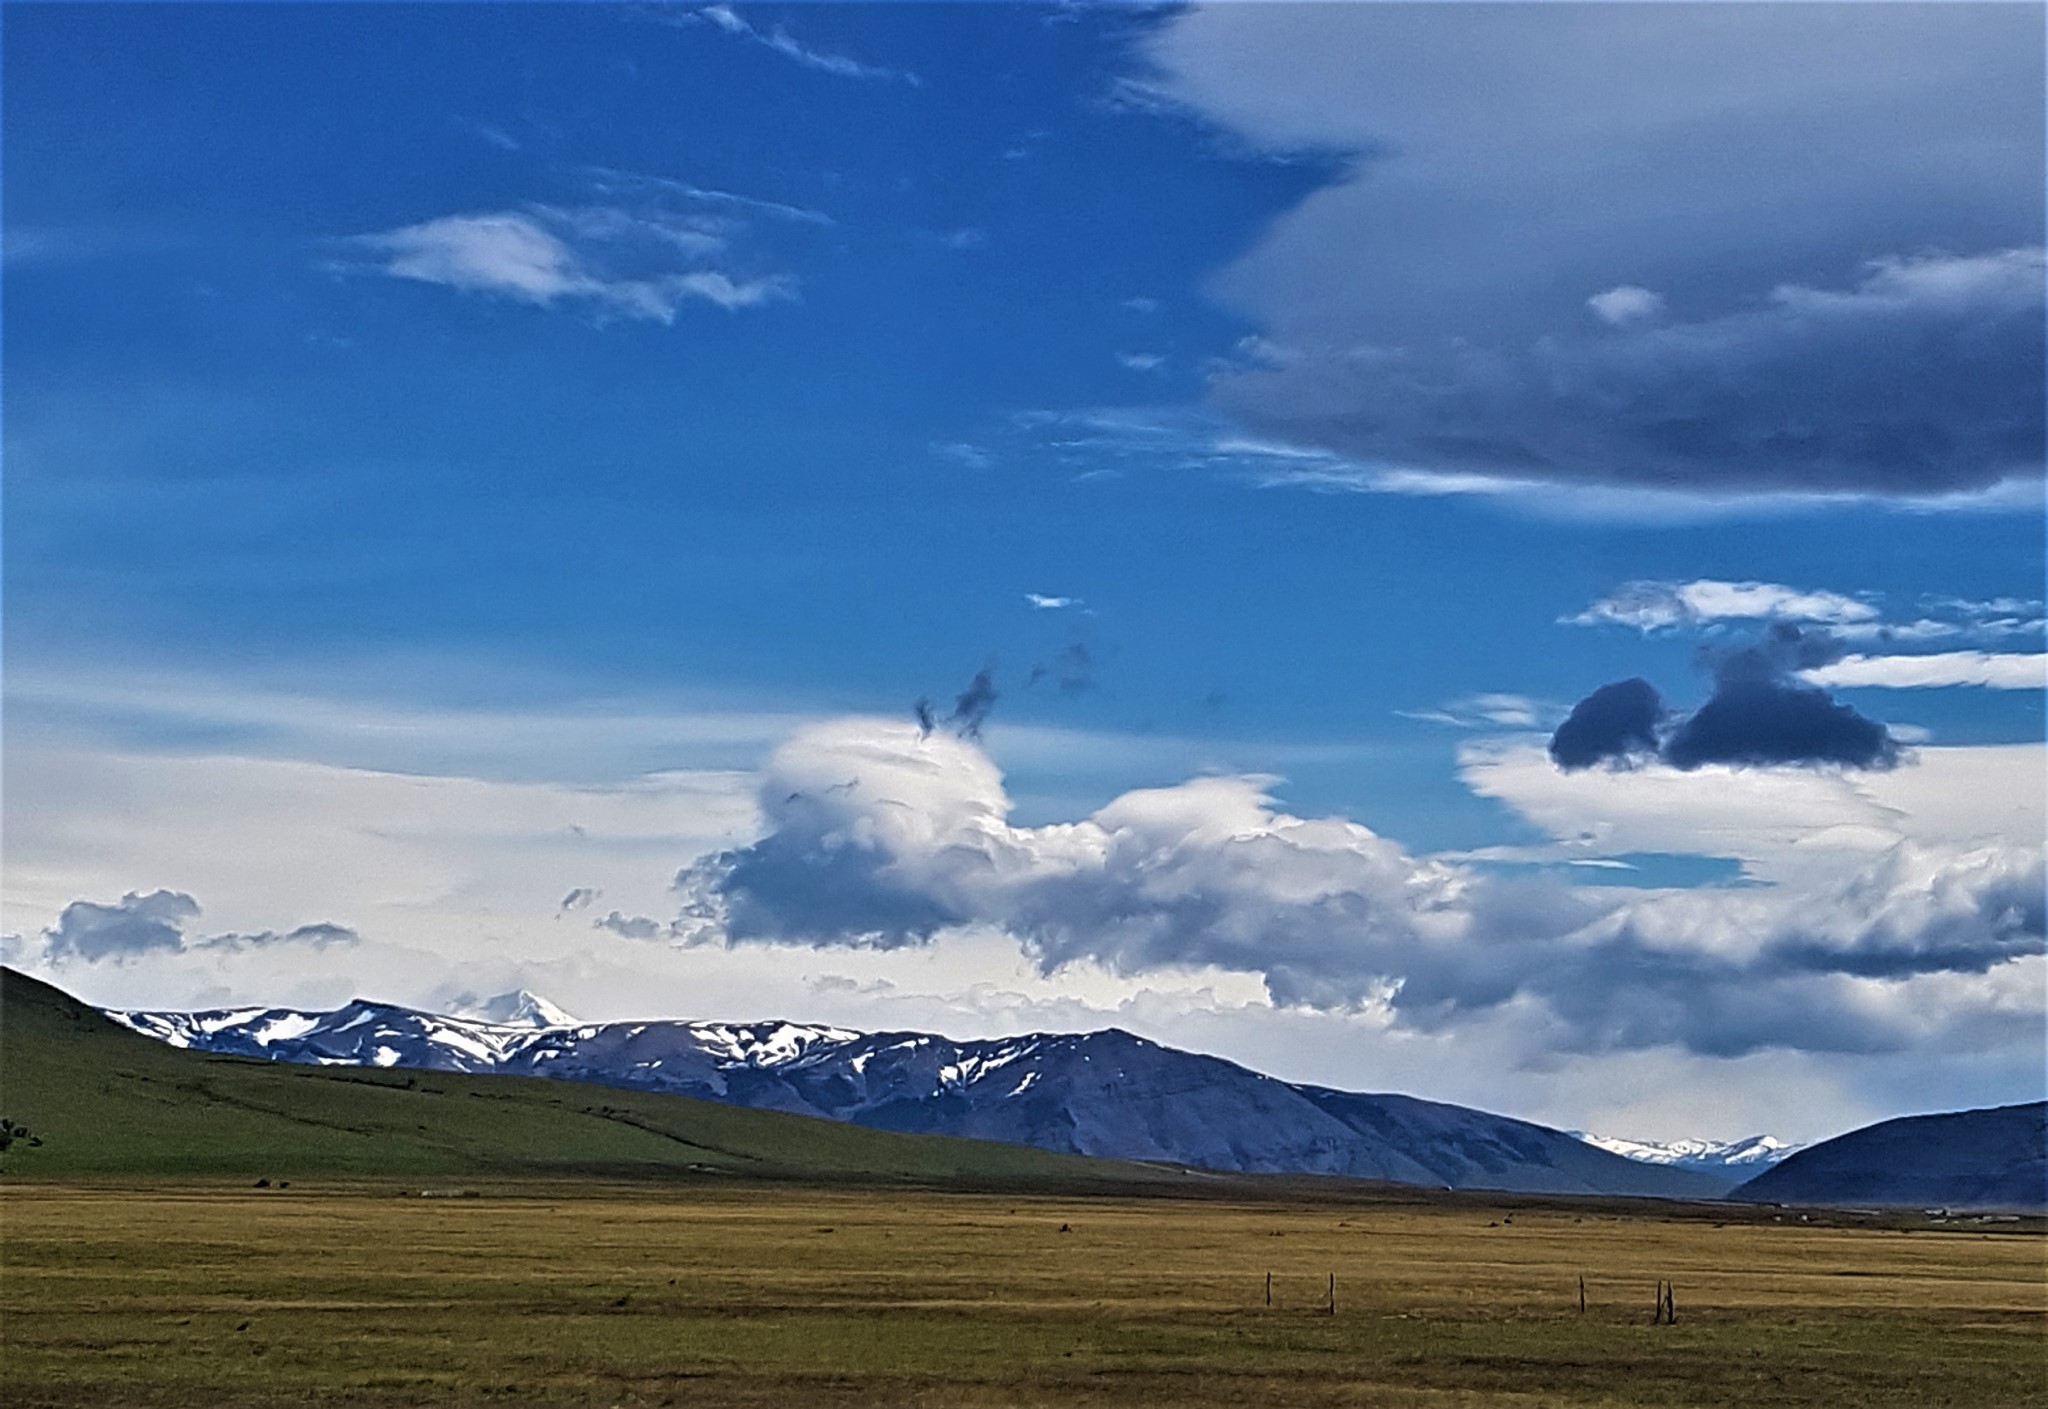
(878, 836)
(1715, 250)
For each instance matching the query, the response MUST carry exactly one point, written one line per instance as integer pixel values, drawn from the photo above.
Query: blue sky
(430, 429)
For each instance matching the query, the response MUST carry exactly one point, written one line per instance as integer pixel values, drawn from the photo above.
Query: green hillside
(97, 1099)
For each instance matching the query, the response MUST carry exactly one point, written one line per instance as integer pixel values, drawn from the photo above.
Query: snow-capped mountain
(519, 1009)
(1101, 1093)
(1738, 1158)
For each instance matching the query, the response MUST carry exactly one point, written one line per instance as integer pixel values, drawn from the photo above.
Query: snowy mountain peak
(1754, 1153)
(520, 1009)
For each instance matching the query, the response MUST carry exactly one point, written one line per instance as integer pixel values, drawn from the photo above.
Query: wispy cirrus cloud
(1497, 710)
(1707, 604)
(1980, 668)
(727, 20)
(1660, 606)
(616, 262)
(637, 185)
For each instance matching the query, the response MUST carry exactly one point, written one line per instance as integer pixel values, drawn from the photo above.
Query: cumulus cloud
(615, 261)
(1656, 606)
(1761, 714)
(1326, 913)
(1881, 333)
(155, 922)
(1980, 668)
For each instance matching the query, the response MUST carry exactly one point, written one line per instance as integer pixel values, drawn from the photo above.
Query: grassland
(777, 1294)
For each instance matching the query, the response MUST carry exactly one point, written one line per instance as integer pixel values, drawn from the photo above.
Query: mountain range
(1742, 1158)
(1108, 1094)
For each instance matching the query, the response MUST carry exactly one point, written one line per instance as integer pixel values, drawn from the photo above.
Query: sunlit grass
(582, 1295)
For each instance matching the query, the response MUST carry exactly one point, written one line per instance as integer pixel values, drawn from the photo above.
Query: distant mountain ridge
(1985, 1159)
(1741, 1158)
(1105, 1093)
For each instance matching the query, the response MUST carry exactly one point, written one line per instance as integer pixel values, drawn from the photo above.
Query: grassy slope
(106, 1101)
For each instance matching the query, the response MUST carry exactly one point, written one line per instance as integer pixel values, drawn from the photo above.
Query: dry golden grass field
(571, 1294)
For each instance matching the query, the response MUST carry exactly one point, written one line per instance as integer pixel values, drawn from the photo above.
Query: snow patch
(286, 1027)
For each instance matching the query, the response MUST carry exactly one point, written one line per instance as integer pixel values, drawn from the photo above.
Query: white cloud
(362, 718)
(1500, 711)
(1653, 606)
(1141, 361)
(881, 838)
(1625, 304)
(545, 256)
(1995, 672)
(1050, 604)
(1789, 826)
(613, 181)
(781, 41)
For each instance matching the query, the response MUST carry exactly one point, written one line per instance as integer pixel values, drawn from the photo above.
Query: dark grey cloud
(1766, 723)
(315, 936)
(156, 922)
(972, 705)
(1614, 723)
(803, 888)
(632, 926)
(1714, 249)
(578, 898)
(1759, 715)
(1921, 378)
(134, 924)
